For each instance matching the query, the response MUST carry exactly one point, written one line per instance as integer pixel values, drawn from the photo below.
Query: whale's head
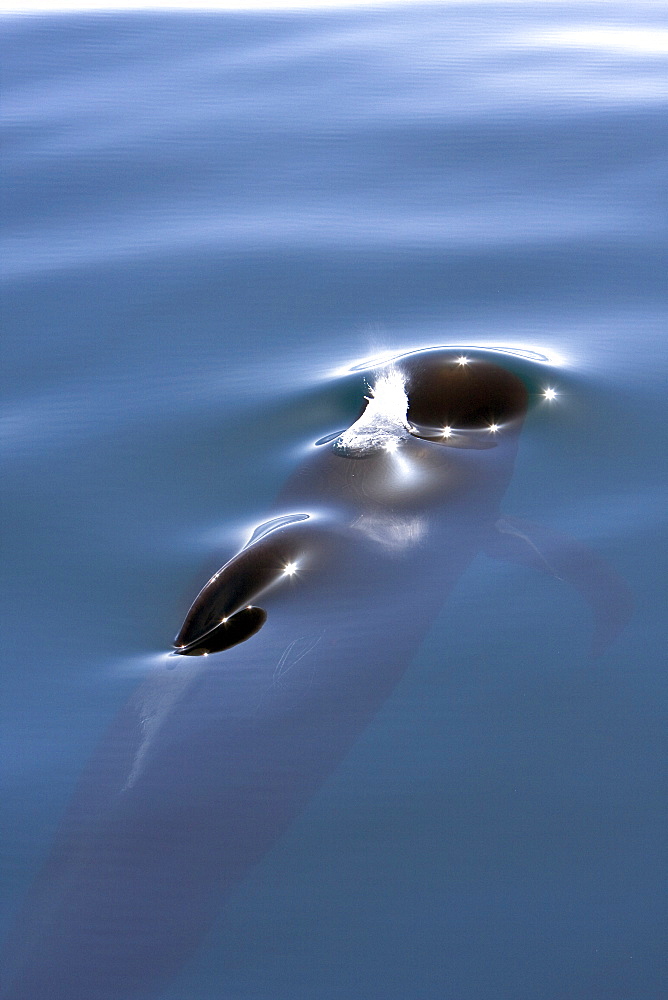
(453, 400)
(423, 417)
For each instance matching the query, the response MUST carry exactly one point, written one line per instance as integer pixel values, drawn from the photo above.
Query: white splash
(384, 423)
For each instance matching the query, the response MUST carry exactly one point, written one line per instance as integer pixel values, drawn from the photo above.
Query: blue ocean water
(209, 220)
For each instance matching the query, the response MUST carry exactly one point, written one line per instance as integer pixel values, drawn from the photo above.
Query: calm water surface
(208, 221)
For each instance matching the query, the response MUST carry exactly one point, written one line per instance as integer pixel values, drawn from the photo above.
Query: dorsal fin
(229, 633)
(269, 556)
(276, 522)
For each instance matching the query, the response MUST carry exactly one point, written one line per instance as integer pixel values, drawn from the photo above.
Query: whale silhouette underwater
(310, 627)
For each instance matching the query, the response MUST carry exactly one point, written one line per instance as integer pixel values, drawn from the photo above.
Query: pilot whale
(286, 654)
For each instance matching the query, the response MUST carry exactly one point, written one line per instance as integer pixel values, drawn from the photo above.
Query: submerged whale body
(310, 626)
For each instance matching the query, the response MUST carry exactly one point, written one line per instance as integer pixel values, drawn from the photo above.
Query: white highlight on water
(384, 423)
(396, 533)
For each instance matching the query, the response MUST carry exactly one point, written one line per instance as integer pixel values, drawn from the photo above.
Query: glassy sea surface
(212, 223)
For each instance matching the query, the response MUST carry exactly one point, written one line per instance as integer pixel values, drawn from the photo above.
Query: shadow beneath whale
(285, 656)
